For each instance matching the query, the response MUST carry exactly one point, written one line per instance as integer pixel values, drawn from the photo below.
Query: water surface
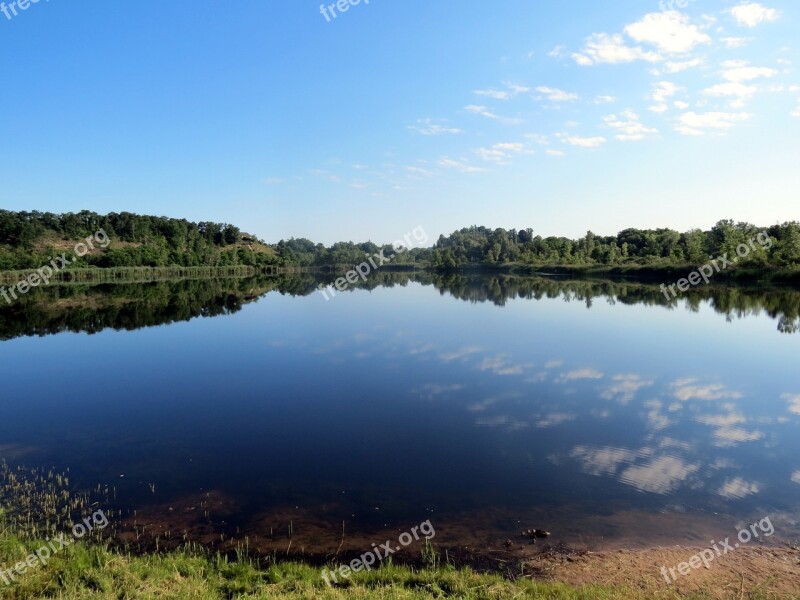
(596, 410)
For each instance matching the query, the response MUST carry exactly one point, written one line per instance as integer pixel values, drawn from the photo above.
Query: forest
(28, 239)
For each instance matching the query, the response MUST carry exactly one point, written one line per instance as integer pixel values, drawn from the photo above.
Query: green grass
(97, 572)
(94, 570)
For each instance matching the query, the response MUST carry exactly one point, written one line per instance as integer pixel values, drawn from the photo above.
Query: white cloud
(629, 127)
(739, 71)
(557, 52)
(582, 142)
(428, 127)
(602, 48)
(510, 147)
(459, 165)
(476, 109)
(752, 14)
(796, 112)
(516, 88)
(419, 171)
(683, 65)
(671, 32)
(496, 94)
(603, 99)
(538, 138)
(480, 110)
(663, 90)
(556, 95)
(735, 42)
(513, 90)
(500, 153)
(551, 152)
(731, 89)
(692, 123)
(796, 477)
(681, 104)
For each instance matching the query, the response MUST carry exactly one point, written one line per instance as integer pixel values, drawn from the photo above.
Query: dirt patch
(772, 572)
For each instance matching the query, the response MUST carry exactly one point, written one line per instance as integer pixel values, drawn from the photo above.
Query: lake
(255, 409)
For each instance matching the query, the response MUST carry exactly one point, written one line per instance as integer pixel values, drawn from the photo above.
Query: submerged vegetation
(36, 506)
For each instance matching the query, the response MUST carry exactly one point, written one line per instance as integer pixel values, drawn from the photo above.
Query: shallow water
(485, 405)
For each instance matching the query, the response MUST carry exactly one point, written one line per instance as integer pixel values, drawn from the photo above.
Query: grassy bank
(38, 506)
(133, 274)
(96, 571)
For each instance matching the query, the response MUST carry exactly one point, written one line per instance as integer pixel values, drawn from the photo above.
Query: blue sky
(561, 116)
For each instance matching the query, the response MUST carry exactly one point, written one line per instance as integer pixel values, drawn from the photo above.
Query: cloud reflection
(794, 403)
(624, 388)
(661, 475)
(580, 374)
(686, 389)
(460, 354)
(554, 419)
(737, 488)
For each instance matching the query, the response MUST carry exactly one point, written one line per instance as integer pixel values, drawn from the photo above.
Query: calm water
(485, 405)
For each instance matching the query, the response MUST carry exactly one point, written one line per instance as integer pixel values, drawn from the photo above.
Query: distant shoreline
(638, 273)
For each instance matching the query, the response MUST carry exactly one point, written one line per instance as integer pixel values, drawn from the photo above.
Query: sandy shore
(772, 572)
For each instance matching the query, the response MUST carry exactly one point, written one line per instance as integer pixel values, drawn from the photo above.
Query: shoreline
(95, 569)
(645, 274)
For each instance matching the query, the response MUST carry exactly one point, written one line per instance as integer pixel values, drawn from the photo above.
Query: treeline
(775, 246)
(306, 253)
(28, 239)
(653, 247)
